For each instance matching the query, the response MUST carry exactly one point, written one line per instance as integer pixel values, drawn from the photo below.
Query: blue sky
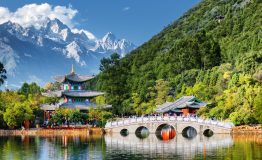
(135, 20)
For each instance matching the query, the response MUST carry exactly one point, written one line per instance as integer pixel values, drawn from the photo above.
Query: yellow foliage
(227, 75)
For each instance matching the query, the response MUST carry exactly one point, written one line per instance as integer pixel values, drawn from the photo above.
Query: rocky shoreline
(246, 129)
(54, 132)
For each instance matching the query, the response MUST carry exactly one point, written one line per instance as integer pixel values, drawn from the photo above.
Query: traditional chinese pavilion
(185, 106)
(72, 94)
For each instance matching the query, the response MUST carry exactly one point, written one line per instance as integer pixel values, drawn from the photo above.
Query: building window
(75, 87)
(66, 87)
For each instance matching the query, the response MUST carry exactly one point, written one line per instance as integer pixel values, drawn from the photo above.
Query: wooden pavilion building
(184, 106)
(72, 94)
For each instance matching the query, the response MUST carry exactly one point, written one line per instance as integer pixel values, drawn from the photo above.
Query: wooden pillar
(48, 115)
(185, 111)
(44, 115)
(26, 124)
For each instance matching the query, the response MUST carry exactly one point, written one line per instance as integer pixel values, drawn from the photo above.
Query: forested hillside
(214, 51)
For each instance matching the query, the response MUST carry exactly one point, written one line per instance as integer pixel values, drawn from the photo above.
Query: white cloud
(37, 14)
(28, 55)
(126, 9)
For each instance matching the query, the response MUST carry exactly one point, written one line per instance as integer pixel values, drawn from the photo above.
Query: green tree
(75, 116)
(101, 116)
(27, 89)
(217, 61)
(2, 74)
(100, 100)
(162, 89)
(16, 114)
(24, 90)
(136, 104)
(113, 81)
(57, 117)
(258, 107)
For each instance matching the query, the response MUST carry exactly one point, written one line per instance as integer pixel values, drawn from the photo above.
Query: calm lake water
(130, 147)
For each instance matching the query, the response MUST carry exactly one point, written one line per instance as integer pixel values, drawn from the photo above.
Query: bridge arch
(189, 132)
(142, 132)
(165, 131)
(208, 133)
(156, 124)
(124, 132)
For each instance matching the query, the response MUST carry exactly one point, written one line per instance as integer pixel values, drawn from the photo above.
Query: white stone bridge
(155, 124)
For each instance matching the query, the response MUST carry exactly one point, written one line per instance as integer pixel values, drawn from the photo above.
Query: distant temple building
(73, 94)
(186, 105)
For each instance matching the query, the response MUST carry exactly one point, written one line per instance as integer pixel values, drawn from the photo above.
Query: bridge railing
(150, 119)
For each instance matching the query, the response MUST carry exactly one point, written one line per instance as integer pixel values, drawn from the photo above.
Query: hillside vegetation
(214, 51)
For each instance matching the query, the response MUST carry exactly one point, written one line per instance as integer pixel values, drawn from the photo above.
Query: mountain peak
(109, 37)
(8, 23)
(55, 25)
(11, 24)
(56, 44)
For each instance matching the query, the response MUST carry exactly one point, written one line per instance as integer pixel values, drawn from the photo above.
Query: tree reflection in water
(124, 132)
(116, 146)
(189, 132)
(142, 132)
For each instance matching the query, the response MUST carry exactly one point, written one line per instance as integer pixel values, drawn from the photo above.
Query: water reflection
(189, 132)
(208, 133)
(61, 147)
(165, 132)
(130, 147)
(142, 132)
(124, 132)
(179, 146)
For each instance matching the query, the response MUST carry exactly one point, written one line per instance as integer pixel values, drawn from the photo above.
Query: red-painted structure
(184, 106)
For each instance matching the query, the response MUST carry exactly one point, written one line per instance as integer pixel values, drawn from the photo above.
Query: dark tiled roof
(82, 93)
(49, 107)
(83, 106)
(183, 102)
(53, 94)
(73, 93)
(73, 77)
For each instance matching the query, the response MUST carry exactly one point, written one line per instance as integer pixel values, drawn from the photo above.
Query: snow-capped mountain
(36, 54)
(109, 43)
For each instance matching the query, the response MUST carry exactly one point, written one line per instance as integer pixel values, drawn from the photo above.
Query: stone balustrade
(152, 119)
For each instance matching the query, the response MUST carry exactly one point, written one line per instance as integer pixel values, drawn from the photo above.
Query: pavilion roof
(73, 77)
(84, 106)
(71, 93)
(81, 106)
(183, 102)
(82, 93)
(53, 94)
(49, 107)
